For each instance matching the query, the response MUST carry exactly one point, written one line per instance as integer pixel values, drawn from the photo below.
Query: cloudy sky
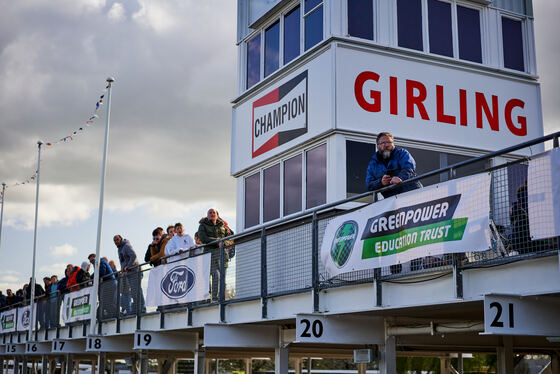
(175, 67)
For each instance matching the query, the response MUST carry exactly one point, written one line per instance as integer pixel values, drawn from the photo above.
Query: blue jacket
(401, 163)
(105, 271)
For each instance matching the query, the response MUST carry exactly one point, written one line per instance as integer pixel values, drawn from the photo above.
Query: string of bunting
(90, 122)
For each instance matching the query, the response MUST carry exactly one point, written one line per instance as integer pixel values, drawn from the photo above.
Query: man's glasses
(383, 143)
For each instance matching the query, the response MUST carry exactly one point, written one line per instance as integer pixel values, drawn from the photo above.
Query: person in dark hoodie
(213, 228)
(12, 298)
(133, 276)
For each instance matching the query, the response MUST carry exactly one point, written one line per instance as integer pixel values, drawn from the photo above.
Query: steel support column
(505, 355)
(388, 356)
(281, 361)
(199, 361)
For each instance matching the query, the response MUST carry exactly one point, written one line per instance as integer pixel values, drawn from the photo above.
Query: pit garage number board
(521, 315)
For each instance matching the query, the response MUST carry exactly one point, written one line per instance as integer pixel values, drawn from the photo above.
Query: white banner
(543, 189)
(180, 282)
(8, 321)
(449, 217)
(24, 317)
(77, 305)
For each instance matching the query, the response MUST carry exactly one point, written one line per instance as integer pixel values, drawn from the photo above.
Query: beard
(386, 154)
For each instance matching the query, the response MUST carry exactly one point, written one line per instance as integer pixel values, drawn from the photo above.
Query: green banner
(81, 310)
(402, 241)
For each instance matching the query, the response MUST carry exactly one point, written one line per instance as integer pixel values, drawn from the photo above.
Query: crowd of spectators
(167, 246)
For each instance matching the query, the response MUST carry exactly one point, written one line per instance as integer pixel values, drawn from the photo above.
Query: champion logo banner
(280, 115)
(449, 217)
(180, 282)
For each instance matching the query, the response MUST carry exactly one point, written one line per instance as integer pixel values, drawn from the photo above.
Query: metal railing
(282, 258)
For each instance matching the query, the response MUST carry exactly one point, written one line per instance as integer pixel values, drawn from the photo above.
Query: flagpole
(93, 304)
(32, 285)
(2, 210)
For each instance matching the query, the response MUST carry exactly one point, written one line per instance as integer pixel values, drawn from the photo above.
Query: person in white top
(179, 243)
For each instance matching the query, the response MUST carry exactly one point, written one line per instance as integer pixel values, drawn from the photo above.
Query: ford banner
(449, 217)
(180, 282)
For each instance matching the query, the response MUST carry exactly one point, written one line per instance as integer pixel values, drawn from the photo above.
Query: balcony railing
(282, 258)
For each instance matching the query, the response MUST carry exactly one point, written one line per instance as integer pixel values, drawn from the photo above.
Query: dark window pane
(426, 161)
(310, 4)
(512, 37)
(271, 49)
(468, 24)
(314, 28)
(358, 156)
(467, 170)
(291, 35)
(292, 185)
(253, 60)
(271, 193)
(252, 200)
(439, 24)
(409, 24)
(360, 18)
(316, 182)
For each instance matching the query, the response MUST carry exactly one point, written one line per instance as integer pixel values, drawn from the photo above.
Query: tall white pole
(2, 210)
(110, 81)
(32, 283)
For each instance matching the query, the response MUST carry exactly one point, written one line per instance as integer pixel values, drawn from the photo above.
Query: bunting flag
(88, 123)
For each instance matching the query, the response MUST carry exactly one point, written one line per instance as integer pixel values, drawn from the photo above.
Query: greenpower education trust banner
(449, 217)
(77, 305)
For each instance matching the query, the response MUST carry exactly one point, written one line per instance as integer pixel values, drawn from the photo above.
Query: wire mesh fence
(289, 258)
(243, 278)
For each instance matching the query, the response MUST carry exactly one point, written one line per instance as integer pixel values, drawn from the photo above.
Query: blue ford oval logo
(177, 282)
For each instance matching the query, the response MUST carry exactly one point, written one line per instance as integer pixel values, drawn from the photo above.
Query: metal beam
(341, 329)
(166, 340)
(68, 346)
(116, 343)
(241, 336)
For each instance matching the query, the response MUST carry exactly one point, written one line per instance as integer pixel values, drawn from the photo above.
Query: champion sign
(280, 115)
(177, 282)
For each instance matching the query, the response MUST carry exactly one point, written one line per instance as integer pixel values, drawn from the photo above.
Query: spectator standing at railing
(76, 278)
(150, 248)
(2, 300)
(132, 274)
(107, 288)
(39, 291)
(179, 243)
(12, 298)
(155, 249)
(213, 228)
(86, 276)
(44, 303)
(54, 302)
(112, 265)
(390, 165)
